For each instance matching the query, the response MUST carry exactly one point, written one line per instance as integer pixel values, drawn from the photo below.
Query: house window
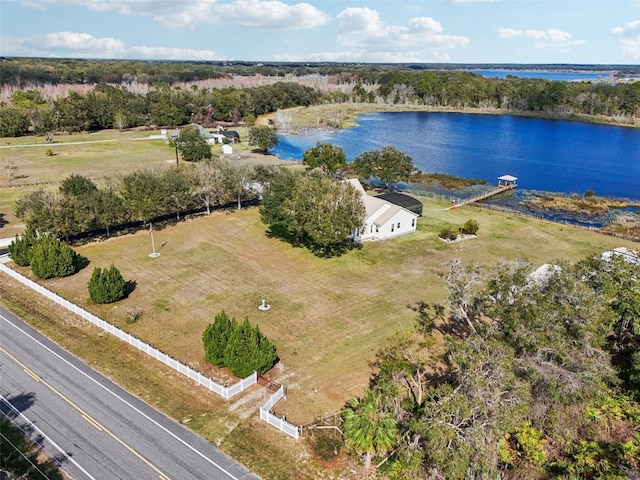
(372, 228)
(398, 225)
(413, 222)
(392, 227)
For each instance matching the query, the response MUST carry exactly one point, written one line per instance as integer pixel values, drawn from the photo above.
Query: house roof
(508, 178)
(403, 200)
(377, 209)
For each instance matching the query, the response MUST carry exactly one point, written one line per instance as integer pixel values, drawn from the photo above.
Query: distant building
(227, 149)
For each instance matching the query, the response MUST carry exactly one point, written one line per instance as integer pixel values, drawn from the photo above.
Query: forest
(39, 96)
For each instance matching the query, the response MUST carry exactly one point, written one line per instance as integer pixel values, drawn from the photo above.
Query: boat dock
(505, 182)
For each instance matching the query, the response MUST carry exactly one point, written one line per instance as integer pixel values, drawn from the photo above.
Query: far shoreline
(344, 115)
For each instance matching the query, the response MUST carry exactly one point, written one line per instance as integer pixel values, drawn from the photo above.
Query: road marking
(168, 432)
(64, 454)
(93, 422)
(31, 374)
(88, 417)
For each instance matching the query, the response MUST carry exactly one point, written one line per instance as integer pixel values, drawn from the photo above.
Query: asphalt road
(95, 428)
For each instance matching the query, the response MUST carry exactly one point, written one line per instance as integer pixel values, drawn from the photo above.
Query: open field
(94, 155)
(328, 316)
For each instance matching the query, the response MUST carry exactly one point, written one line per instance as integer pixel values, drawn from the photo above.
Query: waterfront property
(383, 219)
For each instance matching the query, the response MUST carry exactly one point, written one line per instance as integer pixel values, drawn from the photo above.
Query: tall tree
(326, 156)
(263, 137)
(192, 145)
(387, 164)
(325, 212)
(210, 186)
(278, 188)
(238, 180)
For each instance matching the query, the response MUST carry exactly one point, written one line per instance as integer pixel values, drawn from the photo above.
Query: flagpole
(153, 254)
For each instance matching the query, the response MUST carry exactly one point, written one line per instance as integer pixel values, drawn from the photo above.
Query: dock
(505, 182)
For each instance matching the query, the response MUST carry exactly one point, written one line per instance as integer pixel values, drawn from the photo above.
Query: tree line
(80, 205)
(112, 102)
(536, 378)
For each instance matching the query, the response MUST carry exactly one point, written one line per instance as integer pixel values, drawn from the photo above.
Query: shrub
(20, 248)
(327, 447)
(50, 258)
(240, 347)
(49, 153)
(448, 233)
(470, 227)
(106, 286)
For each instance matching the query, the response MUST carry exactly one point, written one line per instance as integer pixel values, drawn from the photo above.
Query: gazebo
(507, 181)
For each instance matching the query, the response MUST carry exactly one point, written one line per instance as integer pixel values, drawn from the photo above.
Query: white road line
(123, 401)
(19, 414)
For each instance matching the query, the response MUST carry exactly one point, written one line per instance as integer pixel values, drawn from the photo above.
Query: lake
(545, 155)
(574, 76)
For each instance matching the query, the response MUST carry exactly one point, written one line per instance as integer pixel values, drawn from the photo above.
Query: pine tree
(20, 248)
(50, 258)
(106, 286)
(215, 338)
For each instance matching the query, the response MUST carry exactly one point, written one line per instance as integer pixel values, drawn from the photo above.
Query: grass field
(328, 316)
(327, 319)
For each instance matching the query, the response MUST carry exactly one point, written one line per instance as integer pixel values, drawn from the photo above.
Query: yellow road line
(85, 415)
(93, 422)
(31, 374)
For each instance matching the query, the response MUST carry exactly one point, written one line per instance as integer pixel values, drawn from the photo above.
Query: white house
(383, 219)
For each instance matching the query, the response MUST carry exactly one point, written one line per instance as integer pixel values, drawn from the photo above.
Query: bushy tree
(263, 137)
(192, 145)
(325, 212)
(52, 258)
(326, 156)
(388, 164)
(20, 248)
(278, 188)
(106, 285)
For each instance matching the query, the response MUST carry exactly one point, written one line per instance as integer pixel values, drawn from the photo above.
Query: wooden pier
(505, 182)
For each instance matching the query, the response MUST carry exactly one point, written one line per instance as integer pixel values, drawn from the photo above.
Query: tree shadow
(3, 222)
(432, 317)
(82, 262)
(129, 287)
(20, 403)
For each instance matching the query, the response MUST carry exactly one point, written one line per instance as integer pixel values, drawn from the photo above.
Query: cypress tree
(20, 248)
(50, 258)
(106, 286)
(215, 338)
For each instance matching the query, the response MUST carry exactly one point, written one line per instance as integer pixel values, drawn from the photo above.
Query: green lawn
(328, 316)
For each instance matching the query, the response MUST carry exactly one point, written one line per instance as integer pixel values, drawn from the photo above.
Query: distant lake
(546, 74)
(545, 155)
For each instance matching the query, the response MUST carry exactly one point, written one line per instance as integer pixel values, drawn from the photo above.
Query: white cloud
(551, 38)
(267, 14)
(363, 32)
(630, 39)
(164, 53)
(83, 45)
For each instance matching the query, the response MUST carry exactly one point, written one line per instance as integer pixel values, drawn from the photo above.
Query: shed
(227, 149)
(405, 201)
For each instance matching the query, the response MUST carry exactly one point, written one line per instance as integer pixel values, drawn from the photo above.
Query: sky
(425, 31)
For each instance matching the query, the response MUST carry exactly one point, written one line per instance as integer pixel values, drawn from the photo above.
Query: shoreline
(344, 115)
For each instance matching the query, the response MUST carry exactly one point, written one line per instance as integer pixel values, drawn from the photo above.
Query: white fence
(223, 391)
(280, 423)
